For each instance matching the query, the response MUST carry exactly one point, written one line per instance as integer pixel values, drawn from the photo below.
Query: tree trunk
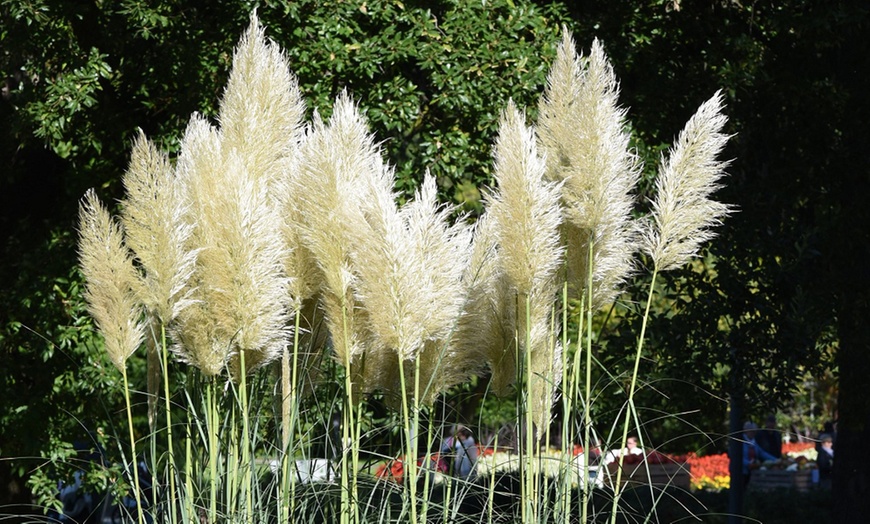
(735, 446)
(851, 476)
(851, 265)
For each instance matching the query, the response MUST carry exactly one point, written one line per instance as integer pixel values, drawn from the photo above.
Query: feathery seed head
(583, 132)
(683, 213)
(261, 109)
(155, 216)
(239, 283)
(484, 333)
(336, 159)
(525, 208)
(526, 218)
(110, 279)
(300, 265)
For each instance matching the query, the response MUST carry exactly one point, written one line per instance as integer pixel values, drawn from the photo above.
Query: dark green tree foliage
(785, 287)
(431, 77)
(757, 297)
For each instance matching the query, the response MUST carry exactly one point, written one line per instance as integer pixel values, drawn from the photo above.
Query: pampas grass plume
(582, 130)
(261, 109)
(155, 216)
(526, 218)
(110, 279)
(335, 158)
(525, 208)
(683, 212)
(240, 287)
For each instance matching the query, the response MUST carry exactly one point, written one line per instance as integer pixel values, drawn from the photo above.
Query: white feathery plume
(335, 159)
(381, 255)
(261, 115)
(300, 266)
(485, 329)
(683, 213)
(440, 253)
(583, 132)
(198, 340)
(157, 225)
(409, 265)
(110, 278)
(526, 218)
(525, 208)
(432, 258)
(240, 285)
(261, 109)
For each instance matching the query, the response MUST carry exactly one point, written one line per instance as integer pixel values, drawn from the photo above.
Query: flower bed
(690, 471)
(708, 472)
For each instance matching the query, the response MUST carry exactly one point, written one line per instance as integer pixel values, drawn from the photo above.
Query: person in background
(770, 438)
(463, 451)
(826, 460)
(753, 454)
(631, 448)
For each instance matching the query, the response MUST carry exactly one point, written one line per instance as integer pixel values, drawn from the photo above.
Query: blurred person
(631, 448)
(826, 459)
(770, 438)
(463, 451)
(753, 454)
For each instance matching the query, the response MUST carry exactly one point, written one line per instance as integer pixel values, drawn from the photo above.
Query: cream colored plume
(261, 109)
(526, 218)
(300, 266)
(110, 279)
(240, 286)
(683, 213)
(525, 208)
(410, 267)
(336, 158)
(261, 114)
(486, 328)
(157, 225)
(583, 132)
(410, 264)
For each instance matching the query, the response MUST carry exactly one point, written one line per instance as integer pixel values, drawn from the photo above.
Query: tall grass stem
(135, 464)
(630, 409)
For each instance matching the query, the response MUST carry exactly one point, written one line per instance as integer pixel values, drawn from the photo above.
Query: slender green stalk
(491, 495)
(345, 437)
(531, 500)
(290, 410)
(567, 406)
(173, 513)
(354, 456)
(427, 459)
(286, 506)
(410, 448)
(547, 431)
(212, 418)
(247, 460)
(575, 393)
(630, 409)
(135, 466)
(350, 441)
(448, 494)
(231, 460)
(587, 411)
(522, 406)
(294, 406)
(188, 478)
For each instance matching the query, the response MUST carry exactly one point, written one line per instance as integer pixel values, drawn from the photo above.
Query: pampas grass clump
(265, 224)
